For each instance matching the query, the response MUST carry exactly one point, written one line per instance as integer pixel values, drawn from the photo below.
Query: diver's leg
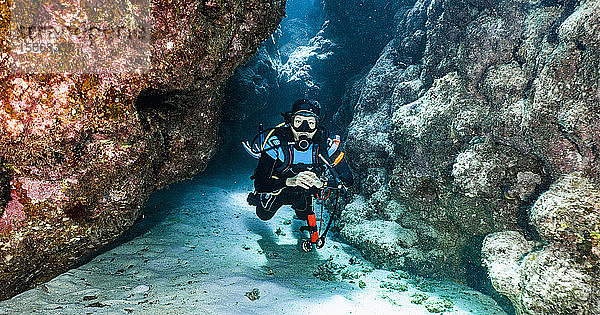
(302, 205)
(304, 211)
(269, 204)
(267, 207)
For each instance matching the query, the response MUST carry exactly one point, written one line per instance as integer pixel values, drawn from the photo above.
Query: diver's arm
(342, 169)
(345, 173)
(265, 179)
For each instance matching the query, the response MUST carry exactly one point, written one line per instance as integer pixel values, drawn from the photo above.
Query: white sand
(200, 248)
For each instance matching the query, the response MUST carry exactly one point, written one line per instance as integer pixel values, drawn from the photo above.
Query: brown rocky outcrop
(89, 128)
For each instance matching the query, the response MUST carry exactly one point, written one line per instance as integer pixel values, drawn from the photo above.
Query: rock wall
(471, 112)
(82, 147)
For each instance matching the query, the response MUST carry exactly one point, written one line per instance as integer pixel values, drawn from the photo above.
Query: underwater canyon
(472, 128)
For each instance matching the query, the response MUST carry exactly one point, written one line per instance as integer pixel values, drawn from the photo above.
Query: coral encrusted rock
(553, 282)
(472, 111)
(546, 281)
(112, 102)
(569, 215)
(502, 253)
(561, 278)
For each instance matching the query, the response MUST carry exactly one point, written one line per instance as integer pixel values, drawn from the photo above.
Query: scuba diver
(293, 160)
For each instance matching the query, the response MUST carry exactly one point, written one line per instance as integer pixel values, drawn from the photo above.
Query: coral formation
(83, 143)
(545, 281)
(562, 277)
(502, 253)
(568, 214)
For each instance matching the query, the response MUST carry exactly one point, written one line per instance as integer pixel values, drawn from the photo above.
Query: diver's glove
(305, 180)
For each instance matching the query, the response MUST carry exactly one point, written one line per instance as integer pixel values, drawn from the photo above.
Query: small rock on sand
(253, 295)
(141, 289)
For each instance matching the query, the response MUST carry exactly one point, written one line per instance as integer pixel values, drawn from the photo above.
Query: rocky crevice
(316, 49)
(4, 187)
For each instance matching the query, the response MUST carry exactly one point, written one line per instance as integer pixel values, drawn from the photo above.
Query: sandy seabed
(200, 249)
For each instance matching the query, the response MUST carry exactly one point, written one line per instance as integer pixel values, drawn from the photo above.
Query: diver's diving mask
(302, 123)
(304, 127)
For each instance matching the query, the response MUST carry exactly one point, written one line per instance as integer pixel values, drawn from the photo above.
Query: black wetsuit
(269, 181)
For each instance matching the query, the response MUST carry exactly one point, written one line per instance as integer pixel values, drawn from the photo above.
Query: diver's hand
(314, 180)
(305, 180)
(301, 180)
